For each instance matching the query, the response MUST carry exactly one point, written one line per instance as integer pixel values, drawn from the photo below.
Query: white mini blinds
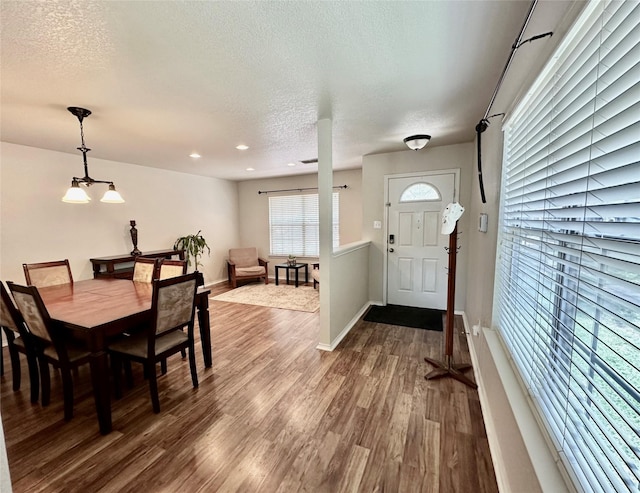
(567, 300)
(294, 224)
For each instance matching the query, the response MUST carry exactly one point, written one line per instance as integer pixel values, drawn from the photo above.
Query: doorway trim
(387, 205)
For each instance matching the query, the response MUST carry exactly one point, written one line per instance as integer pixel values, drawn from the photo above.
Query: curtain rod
(297, 189)
(483, 124)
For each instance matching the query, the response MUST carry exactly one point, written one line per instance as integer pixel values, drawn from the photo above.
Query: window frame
(567, 287)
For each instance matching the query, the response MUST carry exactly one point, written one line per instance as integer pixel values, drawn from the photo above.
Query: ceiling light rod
(297, 189)
(75, 194)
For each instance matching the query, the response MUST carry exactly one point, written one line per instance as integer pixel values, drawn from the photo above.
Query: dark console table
(121, 266)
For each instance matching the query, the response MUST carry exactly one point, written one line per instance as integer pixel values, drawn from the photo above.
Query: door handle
(391, 250)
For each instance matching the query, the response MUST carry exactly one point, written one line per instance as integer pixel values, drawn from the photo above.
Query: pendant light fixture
(417, 142)
(77, 194)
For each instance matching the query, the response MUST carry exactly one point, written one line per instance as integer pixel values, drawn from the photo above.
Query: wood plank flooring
(274, 414)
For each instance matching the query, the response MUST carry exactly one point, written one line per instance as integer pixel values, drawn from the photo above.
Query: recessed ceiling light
(251, 169)
(242, 147)
(291, 164)
(195, 155)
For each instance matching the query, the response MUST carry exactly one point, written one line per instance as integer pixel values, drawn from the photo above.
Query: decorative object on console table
(292, 260)
(194, 246)
(134, 238)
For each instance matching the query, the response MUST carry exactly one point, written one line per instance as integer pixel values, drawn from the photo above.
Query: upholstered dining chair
(50, 345)
(172, 308)
(18, 341)
(145, 269)
(244, 263)
(172, 268)
(44, 274)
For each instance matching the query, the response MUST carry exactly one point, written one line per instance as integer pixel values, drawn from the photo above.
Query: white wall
(254, 208)
(375, 167)
(37, 226)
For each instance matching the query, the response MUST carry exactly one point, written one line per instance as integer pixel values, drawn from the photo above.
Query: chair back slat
(48, 273)
(32, 310)
(8, 310)
(172, 268)
(174, 303)
(145, 269)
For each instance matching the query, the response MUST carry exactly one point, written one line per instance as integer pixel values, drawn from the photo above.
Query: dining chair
(145, 269)
(171, 268)
(18, 341)
(172, 308)
(50, 345)
(44, 274)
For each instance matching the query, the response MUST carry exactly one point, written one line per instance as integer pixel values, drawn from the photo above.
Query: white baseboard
(334, 344)
(547, 466)
(489, 423)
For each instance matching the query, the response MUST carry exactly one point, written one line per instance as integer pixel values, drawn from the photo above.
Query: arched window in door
(420, 192)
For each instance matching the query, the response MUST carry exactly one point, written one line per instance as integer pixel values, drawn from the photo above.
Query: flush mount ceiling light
(195, 155)
(417, 142)
(77, 195)
(242, 147)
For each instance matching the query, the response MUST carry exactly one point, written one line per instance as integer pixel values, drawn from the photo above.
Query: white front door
(416, 259)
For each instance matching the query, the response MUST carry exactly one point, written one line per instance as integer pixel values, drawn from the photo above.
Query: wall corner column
(325, 205)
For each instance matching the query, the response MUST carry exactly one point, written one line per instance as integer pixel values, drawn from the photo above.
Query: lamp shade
(417, 142)
(112, 196)
(75, 194)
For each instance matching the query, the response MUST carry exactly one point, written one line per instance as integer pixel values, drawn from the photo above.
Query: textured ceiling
(167, 78)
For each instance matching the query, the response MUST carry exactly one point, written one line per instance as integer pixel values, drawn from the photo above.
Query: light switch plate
(377, 224)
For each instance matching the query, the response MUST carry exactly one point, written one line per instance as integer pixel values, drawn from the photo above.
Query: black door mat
(407, 316)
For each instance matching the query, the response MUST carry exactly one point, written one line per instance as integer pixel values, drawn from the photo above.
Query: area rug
(288, 297)
(406, 316)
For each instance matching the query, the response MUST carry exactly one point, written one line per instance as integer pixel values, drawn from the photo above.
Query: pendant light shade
(112, 196)
(76, 194)
(417, 142)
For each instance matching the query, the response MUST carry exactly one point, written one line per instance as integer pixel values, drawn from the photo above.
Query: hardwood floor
(274, 414)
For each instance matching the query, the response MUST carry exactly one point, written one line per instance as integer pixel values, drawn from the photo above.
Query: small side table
(295, 267)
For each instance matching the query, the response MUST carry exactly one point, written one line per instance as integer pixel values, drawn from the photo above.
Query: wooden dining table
(97, 310)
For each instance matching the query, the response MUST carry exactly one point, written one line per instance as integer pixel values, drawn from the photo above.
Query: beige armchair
(315, 274)
(244, 263)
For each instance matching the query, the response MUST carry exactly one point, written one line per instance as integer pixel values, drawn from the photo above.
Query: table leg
(287, 275)
(205, 330)
(100, 380)
(306, 274)
(277, 269)
(297, 270)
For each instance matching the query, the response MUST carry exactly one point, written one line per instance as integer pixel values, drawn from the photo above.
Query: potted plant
(193, 246)
(292, 259)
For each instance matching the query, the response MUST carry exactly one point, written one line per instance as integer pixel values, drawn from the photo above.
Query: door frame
(387, 205)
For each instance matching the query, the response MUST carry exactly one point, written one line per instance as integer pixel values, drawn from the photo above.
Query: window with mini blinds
(567, 300)
(294, 224)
